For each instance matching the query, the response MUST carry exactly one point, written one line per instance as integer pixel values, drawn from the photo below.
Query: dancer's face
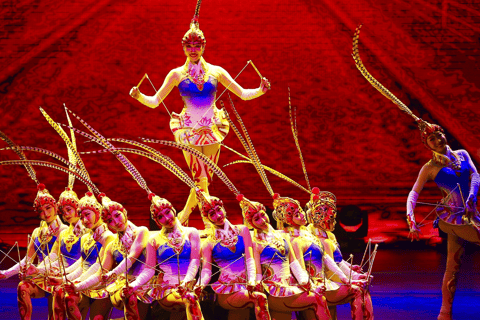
(89, 218)
(48, 212)
(116, 221)
(194, 51)
(70, 214)
(325, 217)
(217, 215)
(297, 215)
(166, 218)
(260, 220)
(437, 142)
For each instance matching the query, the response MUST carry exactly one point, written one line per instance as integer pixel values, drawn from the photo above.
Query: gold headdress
(194, 34)
(89, 202)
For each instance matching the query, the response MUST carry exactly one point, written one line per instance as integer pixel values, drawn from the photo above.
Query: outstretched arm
(244, 94)
(422, 178)
(153, 101)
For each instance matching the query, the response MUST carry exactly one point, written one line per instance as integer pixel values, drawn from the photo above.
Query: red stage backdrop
(356, 144)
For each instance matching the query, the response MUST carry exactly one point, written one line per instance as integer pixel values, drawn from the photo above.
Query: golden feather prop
(377, 85)
(254, 157)
(31, 172)
(47, 164)
(293, 125)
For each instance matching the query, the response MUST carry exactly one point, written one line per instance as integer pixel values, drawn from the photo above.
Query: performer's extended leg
(242, 299)
(26, 291)
(201, 174)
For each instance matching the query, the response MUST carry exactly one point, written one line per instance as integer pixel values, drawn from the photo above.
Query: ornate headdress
(89, 202)
(249, 208)
(194, 34)
(425, 128)
(158, 205)
(109, 206)
(319, 199)
(43, 197)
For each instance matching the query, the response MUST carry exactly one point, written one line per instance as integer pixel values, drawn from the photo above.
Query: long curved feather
(103, 141)
(88, 183)
(254, 156)
(31, 172)
(212, 165)
(71, 157)
(54, 155)
(272, 171)
(293, 125)
(377, 85)
(71, 148)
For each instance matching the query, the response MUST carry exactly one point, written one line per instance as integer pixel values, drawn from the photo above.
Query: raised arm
(153, 101)
(244, 94)
(423, 177)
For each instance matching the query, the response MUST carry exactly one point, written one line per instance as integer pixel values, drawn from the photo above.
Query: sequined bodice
(90, 251)
(313, 258)
(275, 262)
(198, 102)
(44, 248)
(230, 259)
(70, 248)
(171, 263)
(447, 180)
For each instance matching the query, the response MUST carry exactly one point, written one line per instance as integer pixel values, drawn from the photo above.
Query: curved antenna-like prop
(88, 183)
(31, 172)
(103, 141)
(215, 168)
(293, 124)
(248, 145)
(71, 148)
(377, 85)
(56, 156)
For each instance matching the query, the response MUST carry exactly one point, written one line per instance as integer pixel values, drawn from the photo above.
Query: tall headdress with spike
(425, 128)
(194, 34)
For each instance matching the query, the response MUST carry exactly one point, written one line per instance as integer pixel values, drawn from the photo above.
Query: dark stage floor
(407, 285)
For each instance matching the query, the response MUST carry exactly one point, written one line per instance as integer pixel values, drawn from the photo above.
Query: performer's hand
(359, 283)
(127, 292)
(414, 232)
(471, 203)
(356, 268)
(2, 275)
(321, 289)
(307, 286)
(265, 85)
(70, 288)
(198, 290)
(107, 279)
(135, 93)
(55, 281)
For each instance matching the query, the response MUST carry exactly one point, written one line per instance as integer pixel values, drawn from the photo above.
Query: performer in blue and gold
(200, 124)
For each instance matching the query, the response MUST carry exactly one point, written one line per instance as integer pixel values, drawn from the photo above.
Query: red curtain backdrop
(356, 144)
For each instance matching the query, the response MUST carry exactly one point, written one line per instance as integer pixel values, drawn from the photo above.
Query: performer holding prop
(200, 124)
(40, 245)
(458, 179)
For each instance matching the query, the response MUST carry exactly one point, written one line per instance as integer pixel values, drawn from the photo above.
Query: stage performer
(32, 284)
(311, 255)
(456, 175)
(126, 258)
(230, 248)
(200, 124)
(175, 253)
(81, 291)
(277, 259)
(321, 212)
